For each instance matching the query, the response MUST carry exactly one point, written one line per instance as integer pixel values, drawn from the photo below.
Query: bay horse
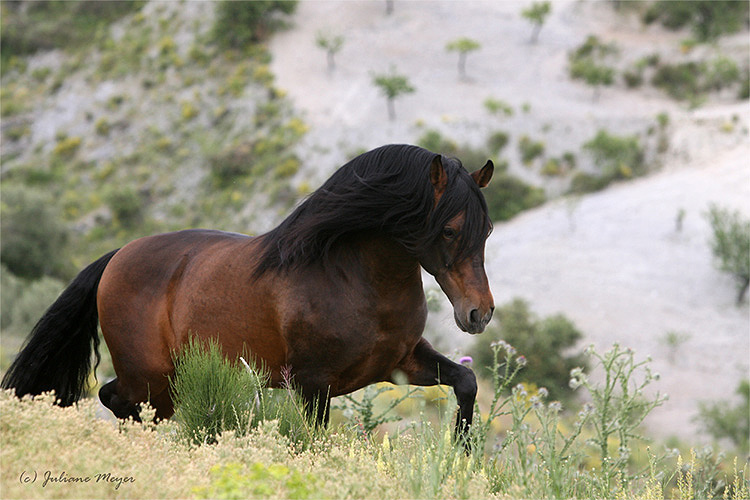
(333, 294)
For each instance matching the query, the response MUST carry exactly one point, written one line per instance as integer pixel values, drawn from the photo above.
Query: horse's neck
(387, 264)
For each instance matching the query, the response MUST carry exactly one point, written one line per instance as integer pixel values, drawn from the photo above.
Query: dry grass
(39, 438)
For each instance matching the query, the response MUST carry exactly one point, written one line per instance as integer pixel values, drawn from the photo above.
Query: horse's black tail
(57, 354)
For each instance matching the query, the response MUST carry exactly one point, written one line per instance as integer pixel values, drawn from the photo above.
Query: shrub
(529, 149)
(213, 394)
(30, 302)
(508, 195)
(707, 18)
(126, 206)
(730, 245)
(67, 147)
(497, 141)
(46, 25)
(587, 63)
(544, 342)
(497, 106)
(617, 156)
(583, 183)
(239, 24)
(680, 81)
(34, 237)
(724, 421)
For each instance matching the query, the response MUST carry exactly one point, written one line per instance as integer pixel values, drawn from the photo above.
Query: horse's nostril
(474, 316)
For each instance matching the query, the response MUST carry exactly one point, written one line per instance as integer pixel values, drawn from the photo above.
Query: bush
(583, 183)
(545, 344)
(127, 207)
(240, 24)
(587, 63)
(617, 156)
(529, 149)
(723, 421)
(34, 237)
(679, 80)
(497, 141)
(31, 26)
(707, 18)
(213, 394)
(29, 301)
(507, 196)
(730, 245)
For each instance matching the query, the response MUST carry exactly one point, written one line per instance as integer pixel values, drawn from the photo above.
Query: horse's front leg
(425, 366)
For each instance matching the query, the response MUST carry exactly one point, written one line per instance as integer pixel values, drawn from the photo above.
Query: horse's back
(143, 284)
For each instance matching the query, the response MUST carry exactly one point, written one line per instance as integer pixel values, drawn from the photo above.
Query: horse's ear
(483, 175)
(438, 177)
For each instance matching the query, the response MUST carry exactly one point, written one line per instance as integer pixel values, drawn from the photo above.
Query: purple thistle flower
(466, 360)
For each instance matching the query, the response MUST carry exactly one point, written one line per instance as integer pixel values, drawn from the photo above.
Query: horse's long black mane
(386, 190)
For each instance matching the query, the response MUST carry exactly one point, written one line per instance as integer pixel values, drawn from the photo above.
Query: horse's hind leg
(425, 366)
(120, 407)
(111, 396)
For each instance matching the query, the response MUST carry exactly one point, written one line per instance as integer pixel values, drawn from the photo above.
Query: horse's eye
(449, 233)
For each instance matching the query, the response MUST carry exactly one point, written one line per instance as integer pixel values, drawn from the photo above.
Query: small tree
(731, 245)
(463, 46)
(331, 45)
(393, 86)
(537, 15)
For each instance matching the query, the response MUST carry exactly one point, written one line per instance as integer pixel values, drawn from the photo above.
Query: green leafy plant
(619, 406)
(730, 245)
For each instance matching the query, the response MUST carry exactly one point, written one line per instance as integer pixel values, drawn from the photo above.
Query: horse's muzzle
(474, 321)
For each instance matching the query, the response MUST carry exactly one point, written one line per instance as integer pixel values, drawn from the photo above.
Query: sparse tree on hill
(331, 44)
(393, 86)
(537, 14)
(730, 245)
(463, 46)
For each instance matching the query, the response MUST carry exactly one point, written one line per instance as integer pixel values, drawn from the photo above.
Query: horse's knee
(465, 386)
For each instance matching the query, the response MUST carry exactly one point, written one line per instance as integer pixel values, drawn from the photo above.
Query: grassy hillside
(146, 124)
(131, 119)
